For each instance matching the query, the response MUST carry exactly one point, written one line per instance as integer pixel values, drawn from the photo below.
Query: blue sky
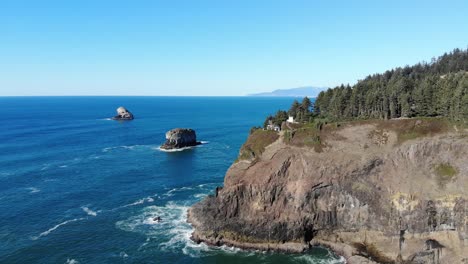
(215, 47)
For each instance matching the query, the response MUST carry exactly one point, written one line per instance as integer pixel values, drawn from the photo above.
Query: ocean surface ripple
(77, 187)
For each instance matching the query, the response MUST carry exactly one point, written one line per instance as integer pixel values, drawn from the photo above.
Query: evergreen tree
(294, 108)
(425, 89)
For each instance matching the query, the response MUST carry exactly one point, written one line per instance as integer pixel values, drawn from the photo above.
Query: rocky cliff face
(367, 194)
(180, 138)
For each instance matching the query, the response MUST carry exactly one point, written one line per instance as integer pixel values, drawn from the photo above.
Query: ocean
(77, 187)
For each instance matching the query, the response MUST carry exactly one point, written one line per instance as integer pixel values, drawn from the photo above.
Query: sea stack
(180, 138)
(123, 114)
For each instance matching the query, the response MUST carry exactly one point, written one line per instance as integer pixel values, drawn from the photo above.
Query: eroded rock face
(123, 114)
(180, 138)
(382, 201)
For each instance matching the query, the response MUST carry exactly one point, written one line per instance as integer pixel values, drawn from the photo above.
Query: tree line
(301, 112)
(438, 88)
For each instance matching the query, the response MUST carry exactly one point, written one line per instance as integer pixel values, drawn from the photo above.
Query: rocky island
(366, 173)
(123, 114)
(180, 138)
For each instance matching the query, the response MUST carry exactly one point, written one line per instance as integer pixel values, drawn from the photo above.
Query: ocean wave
(33, 189)
(175, 150)
(172, 233)
(5, 174)
(50, 230)
(312, 259)
(200, 195)
(130, 147)
(182, 149)
(148, 199)
(50, 180)
(205, 188)
(72, 261)
(173, 228)
(89, 211)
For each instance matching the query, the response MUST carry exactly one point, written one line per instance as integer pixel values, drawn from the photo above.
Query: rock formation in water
(180, 138)
(123, 114)
(375, 192)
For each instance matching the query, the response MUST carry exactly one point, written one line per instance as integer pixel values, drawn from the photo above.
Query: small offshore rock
(180, 138)
(123, 114)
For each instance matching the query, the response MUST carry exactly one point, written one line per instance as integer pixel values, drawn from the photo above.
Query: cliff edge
(385, 191)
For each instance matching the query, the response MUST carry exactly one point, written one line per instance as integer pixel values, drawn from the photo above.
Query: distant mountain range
(308, 91)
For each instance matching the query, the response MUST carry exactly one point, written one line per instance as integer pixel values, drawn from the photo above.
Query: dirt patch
(371, 252)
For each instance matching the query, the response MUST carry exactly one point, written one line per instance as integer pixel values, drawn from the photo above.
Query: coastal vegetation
(435, 93)
(437, 88)
(256, 143)
(445, 173)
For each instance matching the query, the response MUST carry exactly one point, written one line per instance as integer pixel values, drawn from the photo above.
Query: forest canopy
(438, 88)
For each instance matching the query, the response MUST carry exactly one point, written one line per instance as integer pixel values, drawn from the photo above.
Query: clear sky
(111, 47)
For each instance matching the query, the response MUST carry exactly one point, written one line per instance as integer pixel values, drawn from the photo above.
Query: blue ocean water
(76, 187)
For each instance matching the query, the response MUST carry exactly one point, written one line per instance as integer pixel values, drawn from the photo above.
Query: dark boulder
(180, 138)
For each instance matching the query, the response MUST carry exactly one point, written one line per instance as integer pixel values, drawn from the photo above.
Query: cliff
(388, 191)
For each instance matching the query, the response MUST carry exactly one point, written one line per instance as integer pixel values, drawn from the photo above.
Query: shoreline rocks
(180, 138)
(123, 114)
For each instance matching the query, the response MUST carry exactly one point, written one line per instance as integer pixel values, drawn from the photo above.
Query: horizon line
(248, 95)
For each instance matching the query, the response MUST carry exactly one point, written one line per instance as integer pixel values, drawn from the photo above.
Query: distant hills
(308, 91)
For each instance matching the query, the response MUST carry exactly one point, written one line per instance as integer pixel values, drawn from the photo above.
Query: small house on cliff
(272, 126)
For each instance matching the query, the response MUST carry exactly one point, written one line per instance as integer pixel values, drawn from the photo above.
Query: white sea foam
(33, 190)
(205, 188)
(148, 199)
(72, 261)
(200, 195)
(50, 180)
(174, 150)
(310, 258)
(131, 147)
(50, 230)
(173, 230)
(63, 166)
(89, 211)
(45, 166)
(173, 227)
(181, 149)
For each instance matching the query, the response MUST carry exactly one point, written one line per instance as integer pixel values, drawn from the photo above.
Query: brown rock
(381, 203)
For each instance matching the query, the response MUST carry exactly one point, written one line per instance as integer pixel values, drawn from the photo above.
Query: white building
(291, 120)
(272, 126)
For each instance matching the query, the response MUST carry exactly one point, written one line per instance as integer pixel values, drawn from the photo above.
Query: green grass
(445, 173)
(414, 128)
(308, 136)
(256, 144)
